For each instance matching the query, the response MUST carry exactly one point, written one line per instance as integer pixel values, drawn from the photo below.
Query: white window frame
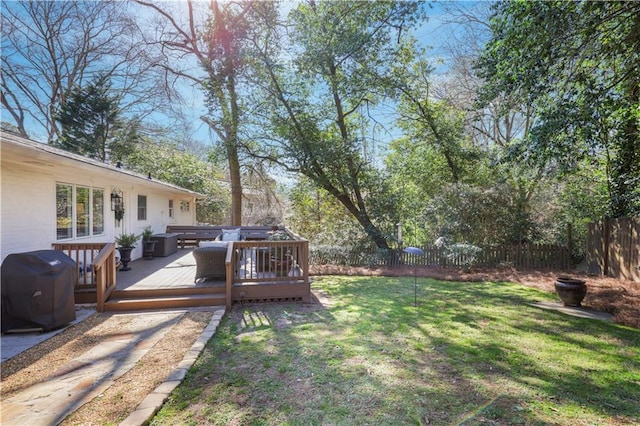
(72, 204)
(143, 208)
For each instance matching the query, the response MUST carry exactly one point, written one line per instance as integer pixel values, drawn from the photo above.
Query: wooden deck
(164, 282)
(255, 271)
(169, 282)
(175, 271)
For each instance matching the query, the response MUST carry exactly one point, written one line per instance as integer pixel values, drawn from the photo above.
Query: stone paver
(11, 344)
(575, 311)
(87, 376)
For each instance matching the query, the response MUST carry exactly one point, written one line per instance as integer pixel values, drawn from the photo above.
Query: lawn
(468, 353)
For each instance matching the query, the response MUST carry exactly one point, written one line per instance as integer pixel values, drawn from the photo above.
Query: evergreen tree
(90, 122)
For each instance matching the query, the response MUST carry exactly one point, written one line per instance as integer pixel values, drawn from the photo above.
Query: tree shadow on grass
(590, 364)
(468, 352)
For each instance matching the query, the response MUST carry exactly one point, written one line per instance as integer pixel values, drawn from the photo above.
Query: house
(49, 196)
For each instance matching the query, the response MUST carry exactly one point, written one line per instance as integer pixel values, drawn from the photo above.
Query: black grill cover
(37, 290)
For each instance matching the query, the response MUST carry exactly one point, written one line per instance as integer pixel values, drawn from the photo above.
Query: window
(64, 211)
(98, 211)
(142, 207)
(82, 211)
(86, 219)
(171, 209)
(184, 206)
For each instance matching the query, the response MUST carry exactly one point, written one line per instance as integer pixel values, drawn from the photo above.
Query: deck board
(175, 271)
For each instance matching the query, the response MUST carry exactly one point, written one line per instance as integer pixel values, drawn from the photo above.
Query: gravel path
(97, 371)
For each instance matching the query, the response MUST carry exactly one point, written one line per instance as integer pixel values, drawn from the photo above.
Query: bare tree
(50, 47)
(217, 45)
(464, 30)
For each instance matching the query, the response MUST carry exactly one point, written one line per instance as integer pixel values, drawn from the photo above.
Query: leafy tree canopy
(578, 65)
(167, 162)
(341, 64)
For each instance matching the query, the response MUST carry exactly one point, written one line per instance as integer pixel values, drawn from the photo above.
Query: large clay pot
(571, 290)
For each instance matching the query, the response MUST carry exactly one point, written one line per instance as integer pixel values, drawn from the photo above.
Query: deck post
(229, 273)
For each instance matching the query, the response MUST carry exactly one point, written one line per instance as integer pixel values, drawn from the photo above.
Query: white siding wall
(25, 199)
(28, 207)
(157, 210)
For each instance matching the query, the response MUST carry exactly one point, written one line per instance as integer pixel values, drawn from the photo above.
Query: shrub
(463, 254)
(127, 240)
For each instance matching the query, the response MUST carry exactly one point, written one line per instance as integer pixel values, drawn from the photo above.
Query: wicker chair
(210, 262)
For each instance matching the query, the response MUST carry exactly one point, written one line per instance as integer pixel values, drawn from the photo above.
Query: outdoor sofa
(211, 256)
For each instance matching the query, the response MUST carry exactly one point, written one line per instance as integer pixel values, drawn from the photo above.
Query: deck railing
(269, 261)
(96, 266)
(268, 270)
(255, 270)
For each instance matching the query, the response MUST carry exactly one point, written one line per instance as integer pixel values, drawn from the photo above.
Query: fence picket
(523, 256)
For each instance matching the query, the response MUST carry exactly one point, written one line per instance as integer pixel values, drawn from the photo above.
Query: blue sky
(432, 34)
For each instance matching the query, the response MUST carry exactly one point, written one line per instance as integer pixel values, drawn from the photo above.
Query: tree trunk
(361, 215)
(236, 187)
(223, 87)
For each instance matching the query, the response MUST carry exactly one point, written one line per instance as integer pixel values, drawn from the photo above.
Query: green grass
(469, 353)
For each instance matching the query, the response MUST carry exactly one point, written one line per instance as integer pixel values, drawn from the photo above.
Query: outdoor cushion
(231, 234)
(214, 244)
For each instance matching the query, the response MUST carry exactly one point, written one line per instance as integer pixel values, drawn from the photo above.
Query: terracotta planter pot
(570, 290)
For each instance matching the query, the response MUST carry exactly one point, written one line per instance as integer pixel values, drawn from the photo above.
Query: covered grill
(37, 290)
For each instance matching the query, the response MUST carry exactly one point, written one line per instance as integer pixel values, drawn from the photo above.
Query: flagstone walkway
(87, 376)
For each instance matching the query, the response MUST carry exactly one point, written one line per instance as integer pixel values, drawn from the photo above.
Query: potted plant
(126, 243)
(149, 247)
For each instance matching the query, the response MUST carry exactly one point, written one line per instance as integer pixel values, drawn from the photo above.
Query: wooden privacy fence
(523, 256)
(613, 248)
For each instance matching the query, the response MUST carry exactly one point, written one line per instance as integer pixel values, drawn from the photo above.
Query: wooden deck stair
(130, 300)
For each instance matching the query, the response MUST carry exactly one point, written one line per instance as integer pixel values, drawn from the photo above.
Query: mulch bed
(618, 297)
